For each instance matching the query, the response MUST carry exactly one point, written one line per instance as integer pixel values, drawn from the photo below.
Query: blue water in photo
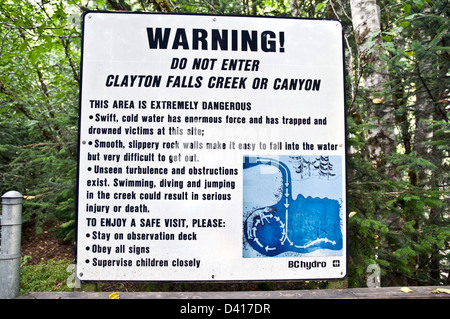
(292, 206)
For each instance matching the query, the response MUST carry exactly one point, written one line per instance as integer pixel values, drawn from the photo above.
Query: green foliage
(402, 220)
(51, 276)
(38, 101)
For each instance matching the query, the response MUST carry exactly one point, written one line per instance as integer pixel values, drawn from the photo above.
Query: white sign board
(211, 148)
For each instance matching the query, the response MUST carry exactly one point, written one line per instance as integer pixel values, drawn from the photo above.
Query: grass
(51, 275)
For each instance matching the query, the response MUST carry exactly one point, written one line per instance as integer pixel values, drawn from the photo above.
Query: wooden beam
(427, 292)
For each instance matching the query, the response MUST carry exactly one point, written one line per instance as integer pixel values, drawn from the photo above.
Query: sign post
(211, 148)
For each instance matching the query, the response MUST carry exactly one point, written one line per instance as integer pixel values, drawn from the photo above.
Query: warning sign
(211, 148)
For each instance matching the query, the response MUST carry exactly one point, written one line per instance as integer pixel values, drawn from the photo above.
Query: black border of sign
(212, 15)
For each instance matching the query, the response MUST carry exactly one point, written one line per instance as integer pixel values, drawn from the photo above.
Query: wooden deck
(428, 292)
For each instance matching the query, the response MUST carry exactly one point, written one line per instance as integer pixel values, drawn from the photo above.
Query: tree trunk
(366, 25)
(295, 8)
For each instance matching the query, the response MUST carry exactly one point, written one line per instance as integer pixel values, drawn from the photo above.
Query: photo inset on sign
(292, 206)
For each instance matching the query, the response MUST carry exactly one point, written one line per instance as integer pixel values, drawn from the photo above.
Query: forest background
(397, 105)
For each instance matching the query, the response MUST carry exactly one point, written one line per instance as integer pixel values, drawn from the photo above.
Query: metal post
(10, 232)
